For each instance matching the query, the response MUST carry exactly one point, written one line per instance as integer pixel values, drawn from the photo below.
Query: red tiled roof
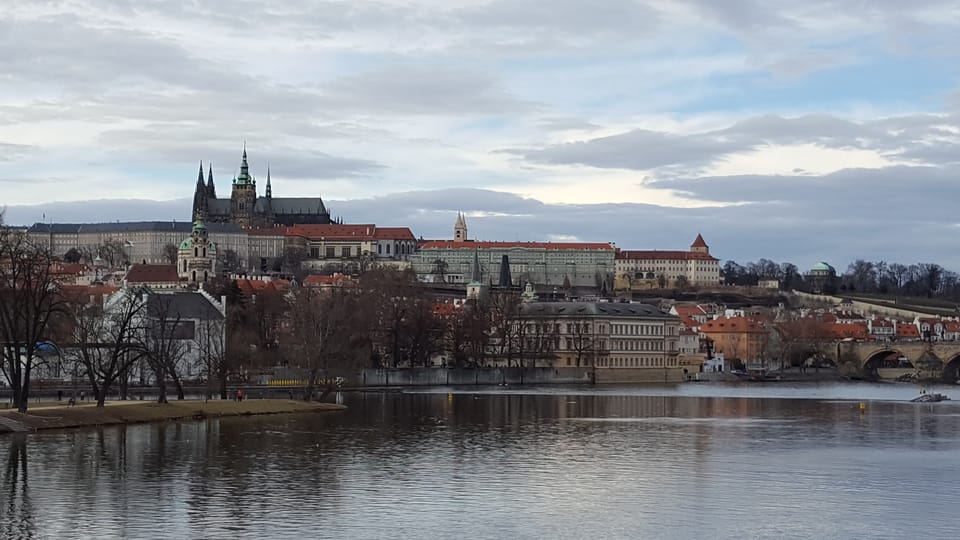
(907, 330)
(83, 294)
(699, 242)
(393, 233)
(253, 286)
(549, 246)
(848, 330)
(650, 255)
(152, 273)
(738, 325)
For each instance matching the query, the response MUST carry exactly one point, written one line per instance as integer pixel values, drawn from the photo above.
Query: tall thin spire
(475, 276)
(211, 189)
(200, 176)
(269, 189)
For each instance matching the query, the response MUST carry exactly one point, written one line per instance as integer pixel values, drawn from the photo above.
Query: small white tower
(460, 229)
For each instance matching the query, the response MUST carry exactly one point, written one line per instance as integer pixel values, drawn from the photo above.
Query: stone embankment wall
(867, 307)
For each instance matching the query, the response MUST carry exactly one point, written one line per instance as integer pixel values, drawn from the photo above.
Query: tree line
(927, 280)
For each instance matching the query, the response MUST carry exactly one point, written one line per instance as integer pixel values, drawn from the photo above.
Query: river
(686, 461)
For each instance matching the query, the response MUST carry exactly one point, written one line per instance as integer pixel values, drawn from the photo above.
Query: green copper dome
(822, 267)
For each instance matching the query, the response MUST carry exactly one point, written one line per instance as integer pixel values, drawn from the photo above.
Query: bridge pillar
(849, 363)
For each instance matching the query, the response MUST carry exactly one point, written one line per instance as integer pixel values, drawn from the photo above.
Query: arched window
(204, 252)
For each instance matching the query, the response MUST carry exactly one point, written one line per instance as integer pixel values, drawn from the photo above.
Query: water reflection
(517, 465)
(16, 510)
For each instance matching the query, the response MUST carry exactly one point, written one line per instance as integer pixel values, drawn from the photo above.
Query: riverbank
(135, 412)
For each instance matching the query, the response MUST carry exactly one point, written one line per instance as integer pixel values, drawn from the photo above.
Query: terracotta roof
(688, 310)
(549, 246)
(152, 273)
(699, 242)
(907, 330)
(253, 286)
(848, 330)
(737, 325)
(393, 233)
(85, 294)
(652, 255)
(881, 323)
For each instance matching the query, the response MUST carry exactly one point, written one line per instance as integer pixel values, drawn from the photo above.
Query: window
(345, 251)
(330, 252)
(388, 249)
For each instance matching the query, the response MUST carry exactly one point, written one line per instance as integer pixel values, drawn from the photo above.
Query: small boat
(930, 398)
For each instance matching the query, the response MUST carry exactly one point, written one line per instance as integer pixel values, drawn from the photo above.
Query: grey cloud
(641, 149)
(637, 149)
(419, 89)
(11, 151)
(880, 195)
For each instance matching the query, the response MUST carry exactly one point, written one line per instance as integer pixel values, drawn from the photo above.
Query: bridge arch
(886, 358)
(951, 369)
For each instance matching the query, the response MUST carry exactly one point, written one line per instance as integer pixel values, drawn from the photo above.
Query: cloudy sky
(801, 131)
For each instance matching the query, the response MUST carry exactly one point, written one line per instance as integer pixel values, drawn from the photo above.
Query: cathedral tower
(243, 197)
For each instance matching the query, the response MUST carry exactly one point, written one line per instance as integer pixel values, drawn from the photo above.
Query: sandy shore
(133, 412)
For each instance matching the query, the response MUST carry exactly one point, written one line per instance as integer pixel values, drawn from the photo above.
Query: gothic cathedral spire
(200, 197)
(269, 192)
(211, 190)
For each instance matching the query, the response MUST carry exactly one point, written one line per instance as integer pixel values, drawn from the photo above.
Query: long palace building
(542, 264)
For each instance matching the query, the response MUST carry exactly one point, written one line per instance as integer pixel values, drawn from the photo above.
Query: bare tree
(583, 340)
(170, 253)
(29, 298)
(211, 341)
(164, 342)
(321, 323)
(107, 339)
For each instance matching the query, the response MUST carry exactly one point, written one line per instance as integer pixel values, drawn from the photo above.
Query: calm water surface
(689, 461)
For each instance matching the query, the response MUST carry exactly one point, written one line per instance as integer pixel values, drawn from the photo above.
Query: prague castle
(246, 209)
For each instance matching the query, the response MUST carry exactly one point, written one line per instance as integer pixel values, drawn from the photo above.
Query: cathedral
(250, 211)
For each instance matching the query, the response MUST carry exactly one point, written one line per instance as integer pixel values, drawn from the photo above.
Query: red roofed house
(737, 338)
(691, 315)
(155, 276)
(642, 269)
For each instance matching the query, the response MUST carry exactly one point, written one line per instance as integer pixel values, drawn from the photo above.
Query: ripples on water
(650, 462)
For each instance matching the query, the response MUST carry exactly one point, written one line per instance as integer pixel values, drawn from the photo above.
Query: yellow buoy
(863, 406)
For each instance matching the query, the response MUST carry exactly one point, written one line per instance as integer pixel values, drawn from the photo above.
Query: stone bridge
(939, 360)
